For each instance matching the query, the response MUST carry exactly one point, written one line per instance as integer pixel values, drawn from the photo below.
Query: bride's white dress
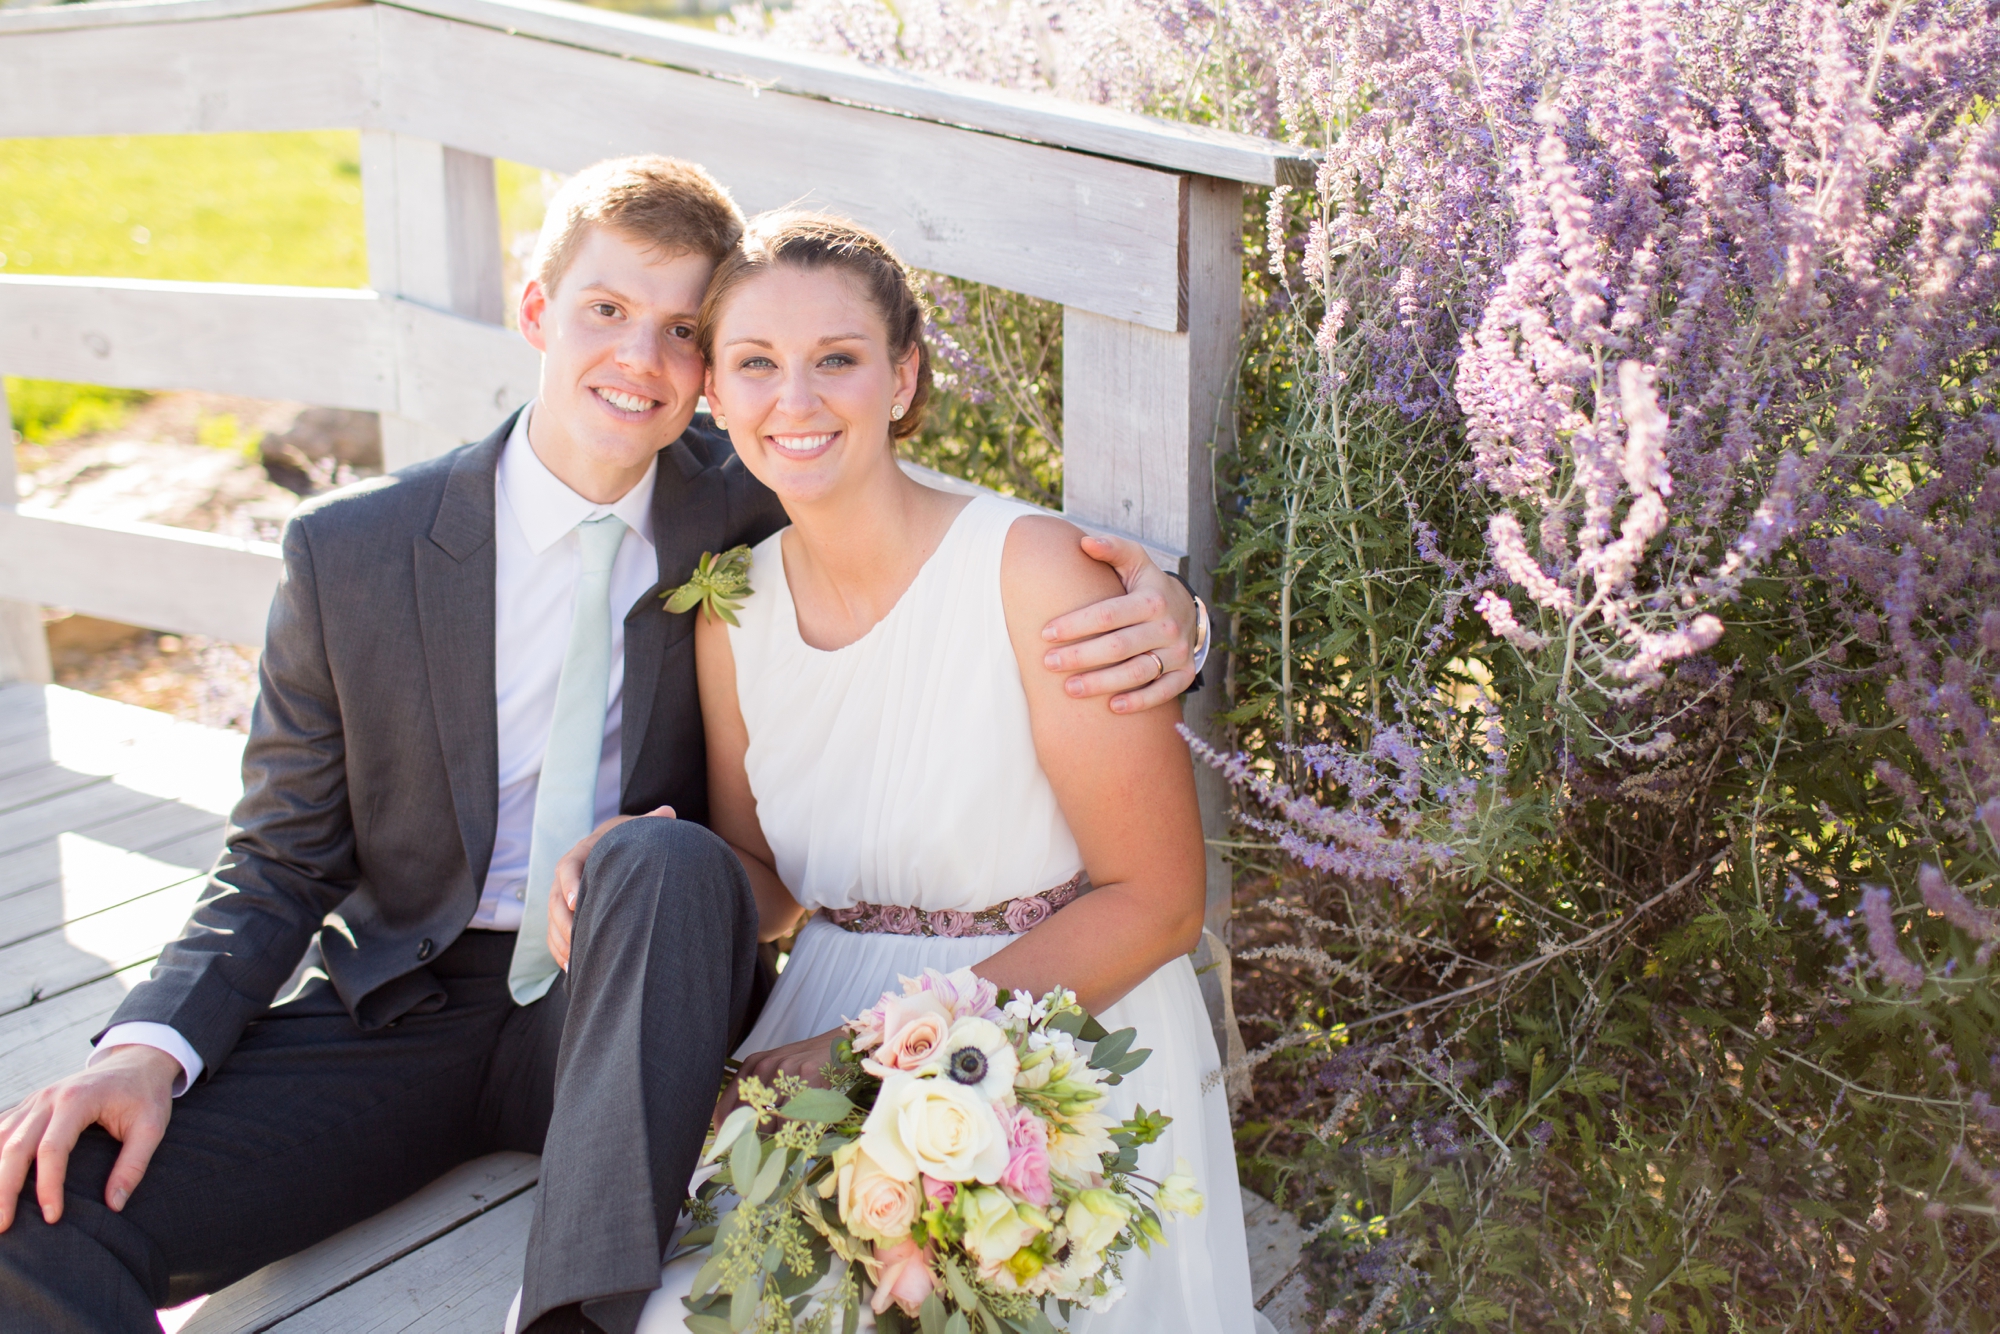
(900, 770)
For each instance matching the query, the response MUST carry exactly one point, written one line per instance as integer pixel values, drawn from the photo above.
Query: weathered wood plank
(327, 345)
(298, 71)
(1275, 1238)
(77, 810)
(143, 574)
(44, 1042)
(1143, 409)
(434, 240)
(94, 947)
(95, 879)
(292, 1285)
(1088, 232)
(451, 373)
(1037, 118)
(463, 1281)
(1034, 117)
(169, 831)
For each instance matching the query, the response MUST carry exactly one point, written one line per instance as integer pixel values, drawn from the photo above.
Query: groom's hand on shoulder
(1140, 645)
(129, 1093)
(568, 887)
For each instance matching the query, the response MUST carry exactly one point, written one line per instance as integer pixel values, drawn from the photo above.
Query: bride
(886, 754)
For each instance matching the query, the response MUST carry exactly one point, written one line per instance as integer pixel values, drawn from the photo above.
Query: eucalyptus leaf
(1112, 1046)
(821, 1105)
(768, 1177)
(931, 1315)
(745, 1158)
(743, 1305)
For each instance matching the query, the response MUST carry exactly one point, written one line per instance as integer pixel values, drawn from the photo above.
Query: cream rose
(875, 1204)
(996, 1227)
(936, 1127)
(1094, 1219)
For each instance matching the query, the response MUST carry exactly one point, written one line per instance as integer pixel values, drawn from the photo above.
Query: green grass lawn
(246, 208)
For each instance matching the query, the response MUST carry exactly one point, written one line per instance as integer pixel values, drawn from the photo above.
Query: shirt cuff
(159, 1036)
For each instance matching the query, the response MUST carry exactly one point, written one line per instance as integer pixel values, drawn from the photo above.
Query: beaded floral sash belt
(1002, 919)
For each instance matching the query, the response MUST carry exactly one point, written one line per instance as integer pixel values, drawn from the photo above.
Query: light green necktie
(566, 795)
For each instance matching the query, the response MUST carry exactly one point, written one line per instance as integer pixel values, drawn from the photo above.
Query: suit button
(424, 950)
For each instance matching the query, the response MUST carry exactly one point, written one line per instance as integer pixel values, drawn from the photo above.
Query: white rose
(945, 1130)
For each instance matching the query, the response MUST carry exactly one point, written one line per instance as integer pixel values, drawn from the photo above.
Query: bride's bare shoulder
(1045, 573)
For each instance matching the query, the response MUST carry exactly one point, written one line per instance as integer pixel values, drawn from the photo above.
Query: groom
(467, 668)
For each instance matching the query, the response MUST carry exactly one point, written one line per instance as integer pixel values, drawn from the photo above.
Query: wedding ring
(1157, 662)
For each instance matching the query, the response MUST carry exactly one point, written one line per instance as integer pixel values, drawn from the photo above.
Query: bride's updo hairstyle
(816, 242)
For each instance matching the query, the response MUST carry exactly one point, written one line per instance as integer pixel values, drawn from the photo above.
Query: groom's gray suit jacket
(371, 777)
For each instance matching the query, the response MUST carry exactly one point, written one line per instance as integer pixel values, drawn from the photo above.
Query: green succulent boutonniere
(718, 587)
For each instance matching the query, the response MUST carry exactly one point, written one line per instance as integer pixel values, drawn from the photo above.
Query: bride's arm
(1126, 785)
(732, 808)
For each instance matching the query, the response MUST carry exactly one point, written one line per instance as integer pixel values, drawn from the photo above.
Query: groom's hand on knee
(129, 1093)
(568, 888)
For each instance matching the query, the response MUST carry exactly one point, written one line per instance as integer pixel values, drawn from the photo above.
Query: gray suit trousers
(313, 1124)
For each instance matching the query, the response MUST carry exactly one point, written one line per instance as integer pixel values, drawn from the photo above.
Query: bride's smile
(804, 377)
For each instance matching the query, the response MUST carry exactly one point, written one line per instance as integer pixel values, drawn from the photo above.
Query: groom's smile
(621, 372)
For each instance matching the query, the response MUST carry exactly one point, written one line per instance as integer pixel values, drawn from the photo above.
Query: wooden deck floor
(109, 815)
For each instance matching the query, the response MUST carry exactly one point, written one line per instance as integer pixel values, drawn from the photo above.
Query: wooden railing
(1132, 224)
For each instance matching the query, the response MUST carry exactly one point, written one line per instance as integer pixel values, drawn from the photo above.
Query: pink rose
(1026, 914)
(904, 1277)
(897, 920)
(951, 923)
(940, 1193)
(913, 1028)
(1027, 1174)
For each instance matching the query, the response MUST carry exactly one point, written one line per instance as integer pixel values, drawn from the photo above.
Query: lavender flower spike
(1890, 961)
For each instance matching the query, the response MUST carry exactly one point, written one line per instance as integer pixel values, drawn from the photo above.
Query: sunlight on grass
(247, 208)
(244, 208)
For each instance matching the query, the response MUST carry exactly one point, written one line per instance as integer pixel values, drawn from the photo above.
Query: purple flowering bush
(1613, 673)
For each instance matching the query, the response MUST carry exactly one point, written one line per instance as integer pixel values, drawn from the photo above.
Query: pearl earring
(896, 413)
(721, 422)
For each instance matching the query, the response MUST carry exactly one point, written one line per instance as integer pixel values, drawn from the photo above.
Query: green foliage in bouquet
(718, 586)
(836, 1201)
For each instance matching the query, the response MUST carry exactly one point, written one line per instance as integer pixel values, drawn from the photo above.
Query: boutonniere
(718, 587)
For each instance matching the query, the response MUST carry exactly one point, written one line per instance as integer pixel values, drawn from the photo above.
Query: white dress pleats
(901, 770)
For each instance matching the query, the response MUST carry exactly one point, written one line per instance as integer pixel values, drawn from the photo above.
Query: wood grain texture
(1085, 231)
(454, 375)
(463, 1281)
(1033, 117)
(143, 574)
(44, 1042)
(93, 947)
(293, 71)
(292, 1285)
(325, 345)
(1037, 118)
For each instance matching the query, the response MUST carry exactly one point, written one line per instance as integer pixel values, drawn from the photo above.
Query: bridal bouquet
(959, 1176)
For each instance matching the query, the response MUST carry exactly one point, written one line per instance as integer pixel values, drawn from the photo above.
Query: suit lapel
(690, 518)
(455, 608)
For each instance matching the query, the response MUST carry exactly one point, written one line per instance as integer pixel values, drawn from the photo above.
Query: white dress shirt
(536, 566)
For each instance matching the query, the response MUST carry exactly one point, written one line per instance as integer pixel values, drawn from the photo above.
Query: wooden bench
(109, 815)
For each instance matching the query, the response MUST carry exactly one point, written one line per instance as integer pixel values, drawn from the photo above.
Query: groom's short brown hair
(671, 206)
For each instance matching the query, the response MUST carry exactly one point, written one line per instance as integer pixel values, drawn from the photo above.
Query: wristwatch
(1202, 636)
